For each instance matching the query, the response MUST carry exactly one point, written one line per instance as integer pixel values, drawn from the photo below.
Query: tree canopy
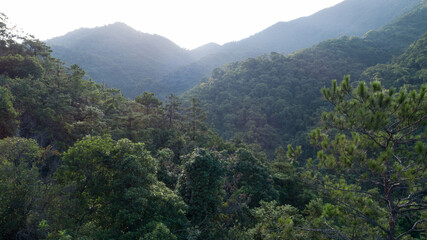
(81, 161)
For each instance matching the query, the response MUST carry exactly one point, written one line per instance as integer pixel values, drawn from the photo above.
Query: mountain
(350, 17)
(120, 56)
(80, 161)
(273, 100)
(207, 49)
(124, 58)
(410, 68)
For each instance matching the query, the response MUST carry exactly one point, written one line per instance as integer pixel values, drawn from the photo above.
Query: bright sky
(188, 23)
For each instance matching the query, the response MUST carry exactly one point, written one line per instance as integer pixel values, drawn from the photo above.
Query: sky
(188, 23)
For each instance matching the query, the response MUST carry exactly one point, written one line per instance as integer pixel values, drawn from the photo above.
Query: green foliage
(21, 187)
(404, 28)
(406, 70)
(200, 185)
(274, 100)
(250, 180)
(56, 106)
(195, 120)
(113, 186)
(15, 42)
(168, 169)
(287, 178)
(172, 110)
(373, 145)
(158, 231)
(77, 176)
(148, 101)
(8, 115)
(17, 66)
(277, 222)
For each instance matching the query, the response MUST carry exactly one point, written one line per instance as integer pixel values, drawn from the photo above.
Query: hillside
(408, 69)
(273, 100)
(80, 161)
(120, 56)
(135, 62)
(349, 18)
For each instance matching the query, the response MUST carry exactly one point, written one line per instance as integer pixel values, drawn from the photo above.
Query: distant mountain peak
(211, 44)
(119, 26)
(120, 56)
(126, 58)
(205, 50)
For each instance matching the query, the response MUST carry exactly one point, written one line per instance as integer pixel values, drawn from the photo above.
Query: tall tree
(148, 101)
(250, 179)
(201, 187)
(113, 192)
(288, 180)
(172, 108)
(195, 119)
(374, 151)
(8, 115)
(21, 188)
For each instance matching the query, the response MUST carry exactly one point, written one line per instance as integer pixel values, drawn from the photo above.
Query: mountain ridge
(273, 100)
(163, 67)
(138, 57)
(275, 38)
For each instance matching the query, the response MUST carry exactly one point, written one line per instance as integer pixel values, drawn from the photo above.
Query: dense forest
(267, 148)
(274, 100)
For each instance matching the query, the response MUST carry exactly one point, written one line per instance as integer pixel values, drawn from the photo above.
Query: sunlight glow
(188, 23)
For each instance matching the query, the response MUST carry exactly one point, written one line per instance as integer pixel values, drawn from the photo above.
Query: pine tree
(8, 115)
(195, 118)
(172, 109)
(374, 151)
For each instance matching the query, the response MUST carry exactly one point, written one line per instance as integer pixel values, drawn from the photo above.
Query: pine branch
(358, 213)
(413, 229)
(324, 231)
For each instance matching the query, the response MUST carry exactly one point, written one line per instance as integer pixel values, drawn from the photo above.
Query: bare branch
(333, 229)
(361, 215)
(411, 125)
(356, 191)
(413, 229)
(324, 231)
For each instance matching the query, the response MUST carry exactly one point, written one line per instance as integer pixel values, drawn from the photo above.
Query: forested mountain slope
(135, 62)
(76, 158)
(272, 100)
(351, 18)
(348, 18)
(120, 56)
(80, 161)
(410, 68)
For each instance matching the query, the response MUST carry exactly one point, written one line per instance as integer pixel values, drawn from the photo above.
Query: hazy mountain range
(272, 100)
(132, 61)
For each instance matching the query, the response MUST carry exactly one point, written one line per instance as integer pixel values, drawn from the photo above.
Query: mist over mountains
(124, 58)
(350, 17)
(272, 100)
(119, 56)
